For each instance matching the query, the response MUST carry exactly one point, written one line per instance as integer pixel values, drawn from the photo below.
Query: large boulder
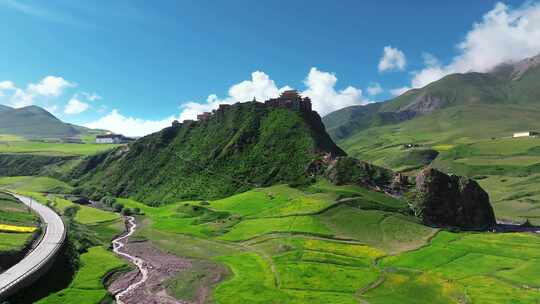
(452, 201)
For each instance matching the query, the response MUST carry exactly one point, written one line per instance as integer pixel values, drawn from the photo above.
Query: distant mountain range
(34, 122)
(509, 91)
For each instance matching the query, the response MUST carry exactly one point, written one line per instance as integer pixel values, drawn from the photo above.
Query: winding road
(39, 257)
(140, 263)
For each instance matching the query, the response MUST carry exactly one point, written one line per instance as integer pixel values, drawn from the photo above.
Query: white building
(112, 139)
(525, 134)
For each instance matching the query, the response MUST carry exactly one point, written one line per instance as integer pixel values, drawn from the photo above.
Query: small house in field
(112, 139)
(525, 134)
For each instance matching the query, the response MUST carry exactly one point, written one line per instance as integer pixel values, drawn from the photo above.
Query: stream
(140, 263)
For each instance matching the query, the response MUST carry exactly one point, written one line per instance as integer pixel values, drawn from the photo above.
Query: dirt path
(154, 267)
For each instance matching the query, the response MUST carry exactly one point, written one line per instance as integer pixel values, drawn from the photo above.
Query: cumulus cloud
(392, 59)
(504, 34)
(374, 89)
(75, 106)
(321, 88)
(49, 87)
(260, 87)
(129, 126)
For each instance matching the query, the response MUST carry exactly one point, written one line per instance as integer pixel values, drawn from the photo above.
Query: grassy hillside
(34, 122)
(336, 244)
(471, 140)
(508, 85)
(248, 145)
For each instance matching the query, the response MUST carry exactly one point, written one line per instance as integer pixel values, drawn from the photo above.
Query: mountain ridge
(508, 83)
(34, 122)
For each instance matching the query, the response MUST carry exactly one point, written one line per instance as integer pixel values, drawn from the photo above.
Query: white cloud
(75, 106)
(91, 96)
(399, 91)
(48, 88)
(325, 99)
(374, 89)
(260, 87)
(392, 59)
(7, 85)
(504, 34)
(129, 126)
(320, 87)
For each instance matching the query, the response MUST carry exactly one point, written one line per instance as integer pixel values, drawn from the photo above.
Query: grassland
(484, 268)
(283, 244)
(85, 214)
(34, 184)
(13, 212)
(13, 241)
(353, 246)
(18, 145)
(17, 224)
(471, 140)
(87, 286)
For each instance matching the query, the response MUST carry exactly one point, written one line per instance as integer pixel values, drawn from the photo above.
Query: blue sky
(132, 66)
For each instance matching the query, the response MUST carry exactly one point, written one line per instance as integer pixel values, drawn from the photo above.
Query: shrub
(118, 207)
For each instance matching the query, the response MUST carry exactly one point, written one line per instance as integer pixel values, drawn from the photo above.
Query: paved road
(36, 259)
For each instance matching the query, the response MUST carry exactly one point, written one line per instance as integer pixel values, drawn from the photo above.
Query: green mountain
(509, 87)
(35, 122)
(461, 124)
(240, 147)
(4, 108)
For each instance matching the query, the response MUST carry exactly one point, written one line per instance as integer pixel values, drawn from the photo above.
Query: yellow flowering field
(18, 229)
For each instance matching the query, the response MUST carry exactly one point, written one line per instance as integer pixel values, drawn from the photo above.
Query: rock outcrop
(452, 201)
(347, 170)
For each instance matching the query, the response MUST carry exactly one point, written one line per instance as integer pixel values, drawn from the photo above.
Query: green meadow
(17, 145)
(14, 241)
(34, 184)
(348, 251)
(471, 141)
(87, 286)
(319, 244)
(13, 212)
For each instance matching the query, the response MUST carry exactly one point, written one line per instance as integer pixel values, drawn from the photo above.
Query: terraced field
(17, 224)
(357, 247)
